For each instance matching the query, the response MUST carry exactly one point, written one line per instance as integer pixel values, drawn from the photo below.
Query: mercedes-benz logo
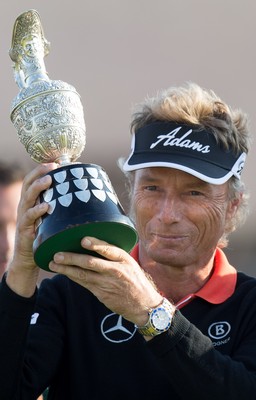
(116, 329)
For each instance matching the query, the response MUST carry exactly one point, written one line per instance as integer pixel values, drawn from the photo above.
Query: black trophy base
(82, 203)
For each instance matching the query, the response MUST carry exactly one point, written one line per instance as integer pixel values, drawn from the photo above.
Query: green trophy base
(69, 240)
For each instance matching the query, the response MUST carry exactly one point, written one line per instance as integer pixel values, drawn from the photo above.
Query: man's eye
(151, 188)
(195, 193)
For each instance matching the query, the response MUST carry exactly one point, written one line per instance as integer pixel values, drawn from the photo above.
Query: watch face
(160, 319)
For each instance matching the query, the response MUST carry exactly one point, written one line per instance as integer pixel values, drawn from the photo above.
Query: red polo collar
(218, 288)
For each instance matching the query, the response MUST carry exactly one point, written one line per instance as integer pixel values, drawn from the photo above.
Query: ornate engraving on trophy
(47, 114)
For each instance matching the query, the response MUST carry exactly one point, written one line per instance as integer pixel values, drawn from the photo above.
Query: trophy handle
(28, 49)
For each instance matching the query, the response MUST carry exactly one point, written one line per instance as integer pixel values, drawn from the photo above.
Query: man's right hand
(22, 273)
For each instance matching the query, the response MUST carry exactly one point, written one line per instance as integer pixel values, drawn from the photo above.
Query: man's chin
(167, 256)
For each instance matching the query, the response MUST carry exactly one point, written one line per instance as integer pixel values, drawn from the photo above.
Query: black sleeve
(15, 314)
(43, 344)
(197, 370)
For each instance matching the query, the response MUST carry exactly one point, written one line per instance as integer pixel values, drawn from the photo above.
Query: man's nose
(170, 210)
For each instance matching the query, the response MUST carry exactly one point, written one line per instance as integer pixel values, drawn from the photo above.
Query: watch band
(150, 329)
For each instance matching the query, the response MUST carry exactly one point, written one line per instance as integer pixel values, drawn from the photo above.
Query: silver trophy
(49, 119)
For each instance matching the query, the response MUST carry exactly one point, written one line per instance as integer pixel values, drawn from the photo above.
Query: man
(173, 319)
(11, 178)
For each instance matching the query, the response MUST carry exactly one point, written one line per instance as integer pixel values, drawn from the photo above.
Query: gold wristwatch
(160, 319)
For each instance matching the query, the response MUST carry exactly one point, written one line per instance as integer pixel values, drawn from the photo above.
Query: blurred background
(116, 52)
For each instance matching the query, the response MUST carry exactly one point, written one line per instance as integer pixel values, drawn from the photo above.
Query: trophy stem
(64, 159)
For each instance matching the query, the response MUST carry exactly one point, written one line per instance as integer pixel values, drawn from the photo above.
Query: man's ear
(233, 206)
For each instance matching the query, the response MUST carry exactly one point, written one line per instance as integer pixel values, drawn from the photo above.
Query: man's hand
(22, 272)
(116, 280)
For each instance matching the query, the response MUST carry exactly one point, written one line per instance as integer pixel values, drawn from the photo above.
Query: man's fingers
(34, 183)
(104, 249)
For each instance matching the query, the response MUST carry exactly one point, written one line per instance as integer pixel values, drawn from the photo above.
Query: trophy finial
(29, 47)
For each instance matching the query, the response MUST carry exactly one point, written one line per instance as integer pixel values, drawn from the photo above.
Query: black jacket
(82, 350)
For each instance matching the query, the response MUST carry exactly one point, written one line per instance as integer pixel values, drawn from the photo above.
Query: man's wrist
(22, 282)
(159, 319)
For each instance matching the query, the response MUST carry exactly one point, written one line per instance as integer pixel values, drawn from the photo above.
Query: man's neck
(175, 283)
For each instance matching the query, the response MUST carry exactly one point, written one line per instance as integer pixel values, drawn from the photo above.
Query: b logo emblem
(219, 330)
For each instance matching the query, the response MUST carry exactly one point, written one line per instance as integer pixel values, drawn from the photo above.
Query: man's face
(9, 199)
(179, 217)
